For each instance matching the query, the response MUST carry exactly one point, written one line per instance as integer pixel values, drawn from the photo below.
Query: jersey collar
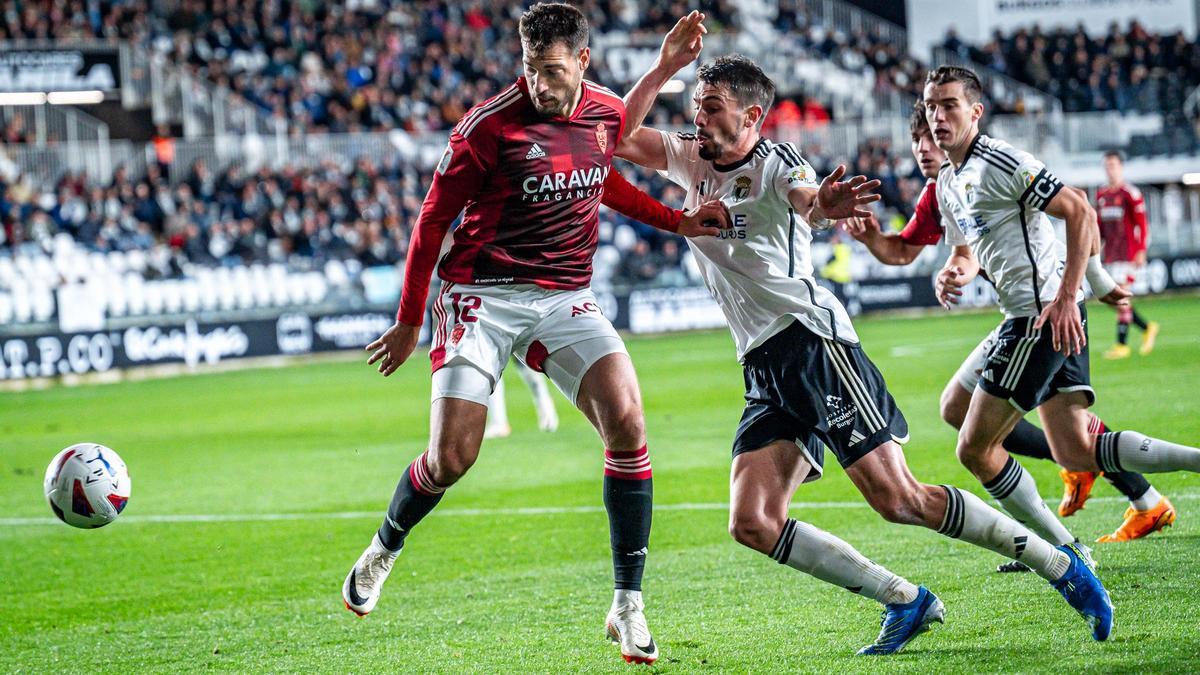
(971, 149)
(724, 168)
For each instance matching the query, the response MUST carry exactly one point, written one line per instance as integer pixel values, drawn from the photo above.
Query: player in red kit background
(1121, 211)
(528, 170)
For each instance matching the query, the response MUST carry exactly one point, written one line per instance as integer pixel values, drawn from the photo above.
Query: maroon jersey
(531, 187)
(1122, 214)
(925, 226)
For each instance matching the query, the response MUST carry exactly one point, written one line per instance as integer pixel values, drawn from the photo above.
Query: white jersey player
(809, 384)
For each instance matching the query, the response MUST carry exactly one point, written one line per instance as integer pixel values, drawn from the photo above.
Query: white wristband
(1098, 278)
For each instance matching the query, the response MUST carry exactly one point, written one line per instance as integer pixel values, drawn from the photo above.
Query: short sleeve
(792, 171)
(1032, 184)
(680, 147)
(925, 227)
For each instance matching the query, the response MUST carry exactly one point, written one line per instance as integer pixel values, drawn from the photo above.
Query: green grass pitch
(296, 466)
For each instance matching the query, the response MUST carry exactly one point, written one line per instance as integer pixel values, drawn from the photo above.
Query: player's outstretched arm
(960, 269)
(888, 249)
(680, 47)
(1066, 323)
(834, 200)
(620, 195)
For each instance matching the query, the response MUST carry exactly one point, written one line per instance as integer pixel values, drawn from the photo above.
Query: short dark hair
(947, 74)
(1115, 153)
(918, 126)
(744, 79)
(549, 23)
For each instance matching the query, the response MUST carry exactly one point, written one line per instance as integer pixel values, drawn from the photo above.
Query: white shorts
(969, 372)
(481, 327)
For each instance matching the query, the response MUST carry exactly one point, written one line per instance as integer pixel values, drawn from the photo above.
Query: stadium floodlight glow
(673, 87)
(75, 97)
(1191, 179)
(22, 98)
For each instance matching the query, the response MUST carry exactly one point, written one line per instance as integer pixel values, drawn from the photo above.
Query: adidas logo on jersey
(535, 152)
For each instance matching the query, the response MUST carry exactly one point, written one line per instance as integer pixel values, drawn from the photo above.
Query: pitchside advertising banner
(196, 343)
(50, 69)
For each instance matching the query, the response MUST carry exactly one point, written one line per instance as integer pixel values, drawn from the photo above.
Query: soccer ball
(87, 485)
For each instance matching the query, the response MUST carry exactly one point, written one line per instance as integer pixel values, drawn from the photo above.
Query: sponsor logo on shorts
(840, 412)
(588, 307)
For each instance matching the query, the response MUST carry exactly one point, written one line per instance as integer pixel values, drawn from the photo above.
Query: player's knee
(625, 429)
(448, 464)
(971, 454)
(754, 530)
(953, 410)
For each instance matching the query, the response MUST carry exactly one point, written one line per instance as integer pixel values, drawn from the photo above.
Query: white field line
(525, 511)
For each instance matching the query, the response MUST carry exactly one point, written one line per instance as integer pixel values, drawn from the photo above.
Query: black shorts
(1024, 368)
(817, 392)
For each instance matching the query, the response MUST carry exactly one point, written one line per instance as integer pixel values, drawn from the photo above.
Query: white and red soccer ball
(87, 485)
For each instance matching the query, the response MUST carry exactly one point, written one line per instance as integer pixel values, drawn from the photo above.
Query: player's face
(928, 155)
(721, 122)
(952, 117)
(554, 76)
(1114, 169)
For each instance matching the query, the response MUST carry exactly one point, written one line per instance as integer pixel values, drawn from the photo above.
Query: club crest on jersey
(741, 187)
(602, 137)
(969, 191)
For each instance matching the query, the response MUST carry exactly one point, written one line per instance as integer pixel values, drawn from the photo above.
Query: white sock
(1146, 501)
(622, 597)
(969, 519)
(497, 407)
(822, 555)
(1014, 488)
(1131, 451)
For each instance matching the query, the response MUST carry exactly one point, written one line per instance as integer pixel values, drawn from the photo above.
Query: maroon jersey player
(528, 169)
(1148, 511)
(1121, 211)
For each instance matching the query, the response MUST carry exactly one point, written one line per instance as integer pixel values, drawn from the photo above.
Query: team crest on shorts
(602, 137)
(456, 335)
(741, 187)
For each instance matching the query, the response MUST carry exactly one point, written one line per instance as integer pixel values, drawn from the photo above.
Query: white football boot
(626, 625)
(361, 589)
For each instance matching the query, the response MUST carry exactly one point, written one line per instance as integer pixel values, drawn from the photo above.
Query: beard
(711, 149)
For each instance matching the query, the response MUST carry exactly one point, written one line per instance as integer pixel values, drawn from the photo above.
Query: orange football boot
(1077, 487)
(1139, 524)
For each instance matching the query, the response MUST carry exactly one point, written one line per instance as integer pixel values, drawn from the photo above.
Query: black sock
(416, 495)
(629, 500)
(1138, 320)
(1132, 485)
(1028, 440)
(1122, 332)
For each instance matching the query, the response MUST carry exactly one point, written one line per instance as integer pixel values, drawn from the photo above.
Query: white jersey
(995, 203)
(760, 271)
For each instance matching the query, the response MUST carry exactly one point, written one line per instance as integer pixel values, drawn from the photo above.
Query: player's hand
(862, 228)
(1117, 297)
(706, 220)
(948, 286)
(836, 199)
(682, 45)
(394, 347)
(1066, 325)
